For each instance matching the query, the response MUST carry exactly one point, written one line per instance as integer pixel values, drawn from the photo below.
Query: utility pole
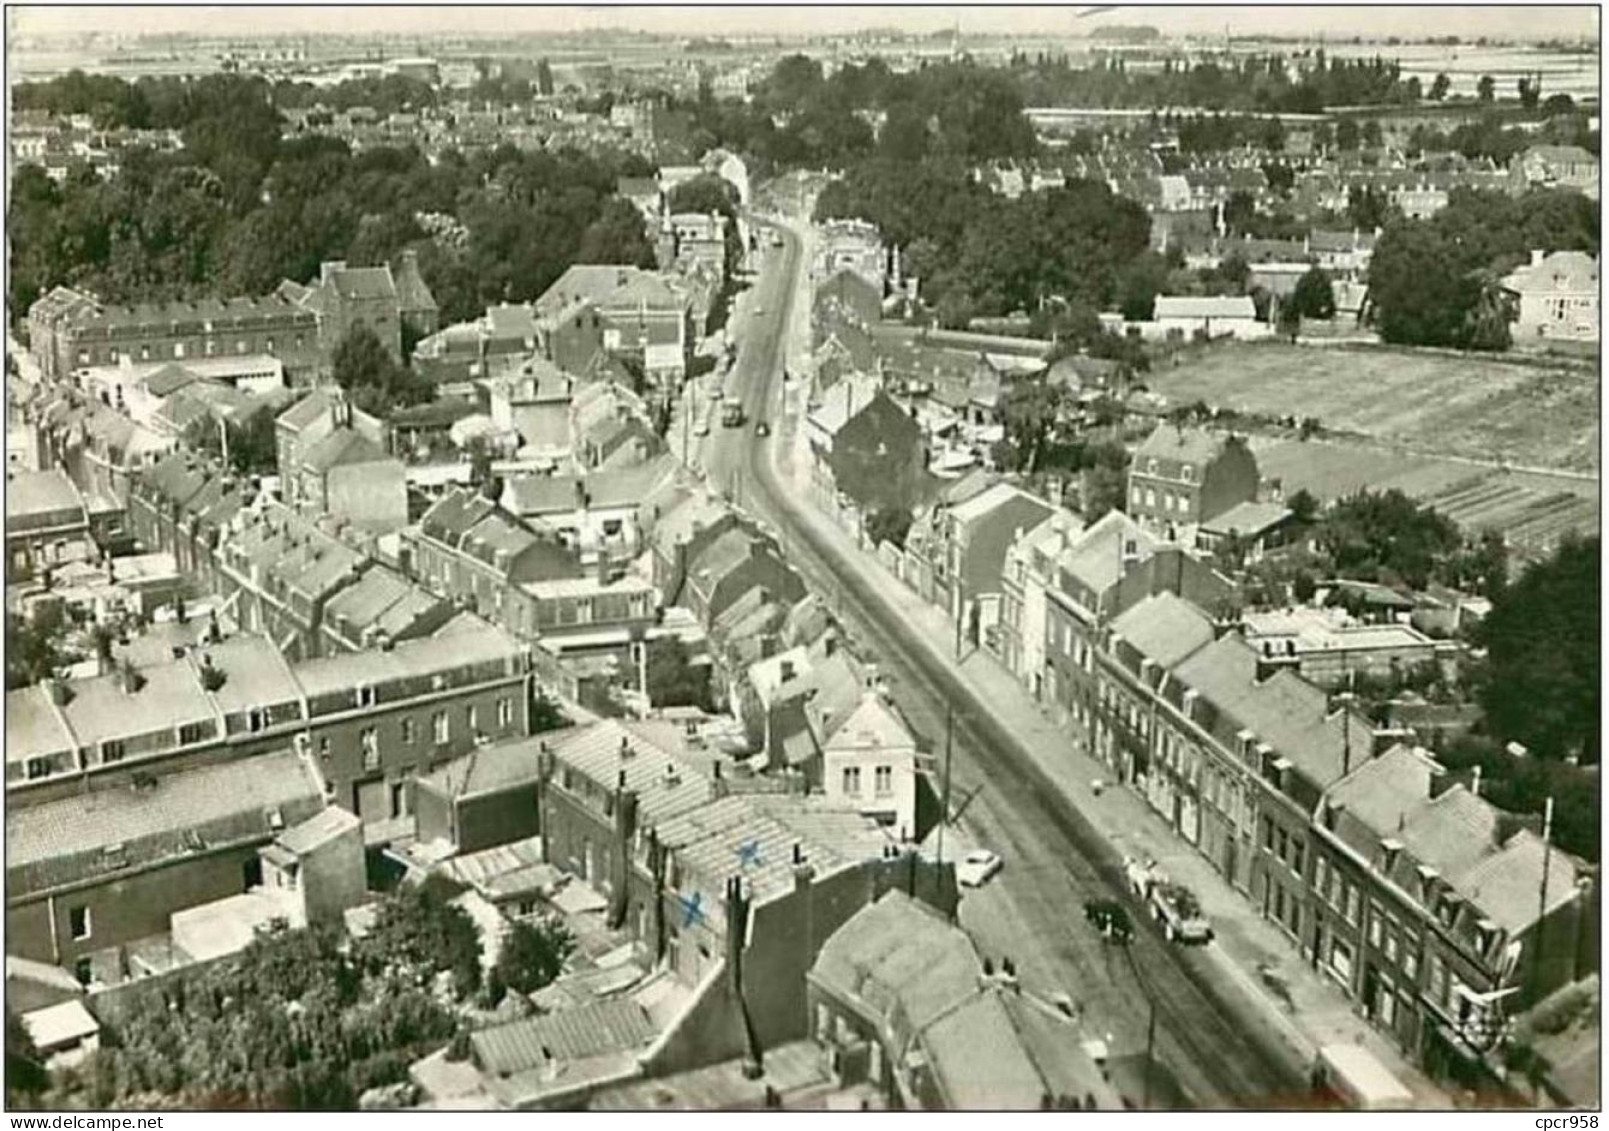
(1542, 902)
(944, 789)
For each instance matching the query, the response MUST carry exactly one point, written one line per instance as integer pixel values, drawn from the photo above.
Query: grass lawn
(1534, 414)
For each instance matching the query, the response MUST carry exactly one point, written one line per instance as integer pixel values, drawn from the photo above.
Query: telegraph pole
(944, 815)
(1542, 902)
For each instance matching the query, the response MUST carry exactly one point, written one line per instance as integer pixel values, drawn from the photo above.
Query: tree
(421, 930)
(1314, 296)
(1439, 86)
(617, 236)
(33, 650)
(1368, 207)
(375, 383)
(1029, 410)
(890, 524)
(26, 1075)
(1139, 284)
(1386, 536)
(1530, 90)
(1486, 89)
(1542, 685)
(673, 680)
(1371, 135)
(1303, 506)
(1346, 135)
(546, 714)
(533, 954)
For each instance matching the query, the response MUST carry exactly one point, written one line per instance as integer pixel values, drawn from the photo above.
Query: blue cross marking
(749, 853)
(692, 908)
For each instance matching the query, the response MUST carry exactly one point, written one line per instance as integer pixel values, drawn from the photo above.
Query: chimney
(1475, 782)
(787, 670)
(329, 268)
(621, 857)
(737, 933)
(1537, 255)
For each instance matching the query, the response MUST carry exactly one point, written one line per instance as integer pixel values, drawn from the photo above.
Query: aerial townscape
(912, 560)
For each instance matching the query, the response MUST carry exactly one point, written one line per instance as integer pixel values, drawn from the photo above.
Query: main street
(1214, 1046)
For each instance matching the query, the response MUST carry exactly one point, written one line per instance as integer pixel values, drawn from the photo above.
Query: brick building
(1181, 477)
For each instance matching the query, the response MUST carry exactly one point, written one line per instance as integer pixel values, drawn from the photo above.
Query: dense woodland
(240, 208)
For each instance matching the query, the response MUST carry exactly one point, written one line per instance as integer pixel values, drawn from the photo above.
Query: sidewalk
(1246, 945)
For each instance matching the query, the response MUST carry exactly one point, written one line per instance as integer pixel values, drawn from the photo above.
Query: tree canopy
(1542, 684)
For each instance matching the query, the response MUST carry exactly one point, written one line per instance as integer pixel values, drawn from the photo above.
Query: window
(1353, 899)
(441, 727)
(268, 346)
(1341, 959)
(505, 712)
(190, 733)
(1187, 473)
(1282, 839)
(78, 922)
(1298, 855)
(256, 720)
(178, 350)
(145, 351)
(410, 732)
(1376, 925)
(1268, 835)
(883, 781)
(1321, 875)
(1138, 496)
(113, 750)
(472, 718)
(1410, 958)
(240, 346)
(1150, 497)
(324, 748)
(852, 780)
(398, 800)
(366, 697)
(371, 748)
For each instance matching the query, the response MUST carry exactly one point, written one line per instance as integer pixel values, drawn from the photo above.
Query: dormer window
(1187, 473)
(366, 697)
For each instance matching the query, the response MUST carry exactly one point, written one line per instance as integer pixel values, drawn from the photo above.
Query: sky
(1517, 22)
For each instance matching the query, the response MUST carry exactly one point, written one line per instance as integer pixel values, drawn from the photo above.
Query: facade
(468, 550)
(1183, 477)
(372, 720)
(900, 1000)
(1556, 166)
(641, 314)
(315, 434)
(47, 524)
(1437, 914)
(869, 765)
(1210, 317)
(1028, 575)
(70, 331)
(1557, 298)
(88, 875)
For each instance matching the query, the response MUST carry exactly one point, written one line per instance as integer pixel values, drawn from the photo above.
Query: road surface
(1214, 1047)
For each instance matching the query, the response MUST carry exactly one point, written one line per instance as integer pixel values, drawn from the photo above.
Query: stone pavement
(1303, 1006)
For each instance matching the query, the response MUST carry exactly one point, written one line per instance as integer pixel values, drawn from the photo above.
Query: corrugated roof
(618, 1025)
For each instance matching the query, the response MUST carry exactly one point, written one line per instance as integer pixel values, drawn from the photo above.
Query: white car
(977, 868)
(702, 428)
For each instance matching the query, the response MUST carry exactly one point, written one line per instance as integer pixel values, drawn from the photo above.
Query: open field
(1526, 413)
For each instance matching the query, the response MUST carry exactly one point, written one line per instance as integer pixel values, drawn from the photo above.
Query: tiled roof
(1165, 628)
(1247, 519)
(365, 283)
(491, 768)
(841, 403)
(31, 494)
(1186, 445)
(1189, 306)
(319, 829)
(595, 752)
(542, 494)
(1285, 711)
(33, 729)
(342, 446)
(1507, 885)
(65, 840)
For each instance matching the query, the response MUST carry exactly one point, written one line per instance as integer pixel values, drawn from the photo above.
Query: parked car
(702, 428)
(977, 868)
(762, 429)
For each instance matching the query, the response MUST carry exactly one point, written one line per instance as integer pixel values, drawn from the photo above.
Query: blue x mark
(692, 908)
(750, 854)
